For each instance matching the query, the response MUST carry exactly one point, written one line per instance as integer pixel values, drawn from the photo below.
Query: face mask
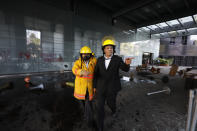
(86, 58)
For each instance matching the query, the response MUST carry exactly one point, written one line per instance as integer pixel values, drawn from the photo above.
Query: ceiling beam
(128, 21)
(169, 28)
(168, 25)
(102, 4)
(131, 22)
(194, 20)
(140, 15)
(165, 18)
(159, 27)
(186, 30)
(177, 32)
(133, 7)
(180, 23)
(189, 8)
(134, 20)
(151, 30)
(155, 13)
(176, 28)
(167, 7)
(186, 4)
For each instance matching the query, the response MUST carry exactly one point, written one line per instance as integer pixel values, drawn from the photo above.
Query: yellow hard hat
(85, 49)
(108, 42)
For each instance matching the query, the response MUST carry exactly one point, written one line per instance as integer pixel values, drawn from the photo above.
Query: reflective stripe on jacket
(82, 84)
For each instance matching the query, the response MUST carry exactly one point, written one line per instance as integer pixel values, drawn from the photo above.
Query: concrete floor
(139, 112)
(55, 109)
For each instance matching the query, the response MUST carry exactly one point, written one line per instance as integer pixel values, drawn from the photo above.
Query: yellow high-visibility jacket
(82, 84)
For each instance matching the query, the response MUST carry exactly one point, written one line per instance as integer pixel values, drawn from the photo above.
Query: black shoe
(99, 128)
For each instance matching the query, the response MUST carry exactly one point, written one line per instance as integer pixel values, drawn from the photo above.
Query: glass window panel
(192, 29)
(144, 29)
(162, 25)
(186, 19)
(195, 17)
(153, 27)
(180, 31)
(155, 35)
(172, 22)
(139, 30)
(33, 39)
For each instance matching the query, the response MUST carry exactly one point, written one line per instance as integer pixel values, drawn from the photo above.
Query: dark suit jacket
(107, 81)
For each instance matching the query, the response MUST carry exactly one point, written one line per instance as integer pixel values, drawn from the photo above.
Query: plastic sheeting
(136, 50)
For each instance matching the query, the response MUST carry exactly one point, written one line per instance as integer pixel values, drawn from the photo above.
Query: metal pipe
(191, 97)
(156, 92)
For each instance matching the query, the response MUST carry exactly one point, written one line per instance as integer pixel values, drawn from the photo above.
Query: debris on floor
(55, 108)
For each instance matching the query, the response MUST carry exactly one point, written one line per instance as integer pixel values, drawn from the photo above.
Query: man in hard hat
(107, 80)
(83, 69)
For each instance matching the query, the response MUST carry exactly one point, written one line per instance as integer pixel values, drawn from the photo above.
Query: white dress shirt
(107, 61)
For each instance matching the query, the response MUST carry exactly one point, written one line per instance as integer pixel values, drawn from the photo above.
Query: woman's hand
(85, 73)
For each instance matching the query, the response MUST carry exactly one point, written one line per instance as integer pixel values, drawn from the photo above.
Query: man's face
(108, 50)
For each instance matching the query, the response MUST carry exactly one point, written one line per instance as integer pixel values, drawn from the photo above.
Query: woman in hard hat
(107, 80)
(83, 69)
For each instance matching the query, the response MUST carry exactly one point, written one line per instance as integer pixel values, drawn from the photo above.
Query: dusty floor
(54, 109)
(51, 109)
(139, 112)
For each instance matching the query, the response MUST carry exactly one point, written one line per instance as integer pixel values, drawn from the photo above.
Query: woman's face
(108, 50)
(85, 56)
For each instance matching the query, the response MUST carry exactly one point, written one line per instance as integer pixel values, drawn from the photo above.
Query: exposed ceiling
(147, 12)
(138, 12)
(162, 18)
(154, 16)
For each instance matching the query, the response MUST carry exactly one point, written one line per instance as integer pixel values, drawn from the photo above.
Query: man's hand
(128, 60)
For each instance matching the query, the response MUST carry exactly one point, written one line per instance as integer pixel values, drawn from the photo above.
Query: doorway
(147, 58)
